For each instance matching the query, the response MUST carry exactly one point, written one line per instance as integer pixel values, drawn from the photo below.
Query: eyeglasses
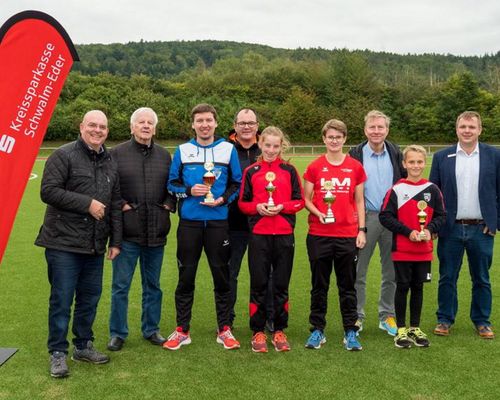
(93, 125)
(334, 138)
(250, 124)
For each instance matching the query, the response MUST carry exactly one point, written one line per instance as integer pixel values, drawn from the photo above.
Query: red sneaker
(177, 339)
(259, 344)
(280, 341)
(226, 338)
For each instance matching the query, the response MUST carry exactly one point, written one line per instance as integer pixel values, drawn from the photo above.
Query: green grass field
(461, 366)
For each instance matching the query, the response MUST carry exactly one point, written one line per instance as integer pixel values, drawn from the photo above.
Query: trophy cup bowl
(209, 180)
(270, 188)
(329, 199)
(422, 217)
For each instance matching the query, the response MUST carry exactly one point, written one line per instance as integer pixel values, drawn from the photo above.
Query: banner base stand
(5, 354)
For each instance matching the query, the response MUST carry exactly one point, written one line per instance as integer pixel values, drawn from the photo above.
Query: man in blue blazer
(468, 175)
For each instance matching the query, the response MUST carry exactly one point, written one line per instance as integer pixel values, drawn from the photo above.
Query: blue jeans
(150, 260)
(78, 276)
(479, 249)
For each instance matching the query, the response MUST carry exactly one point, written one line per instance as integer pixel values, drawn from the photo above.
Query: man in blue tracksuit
(203, 225)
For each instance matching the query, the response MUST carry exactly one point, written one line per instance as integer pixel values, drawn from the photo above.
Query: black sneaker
(418, 337)
(58, 365)
(402, 341)
(89, 354)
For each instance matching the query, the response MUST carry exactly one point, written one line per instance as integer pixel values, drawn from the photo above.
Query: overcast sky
(420, 26)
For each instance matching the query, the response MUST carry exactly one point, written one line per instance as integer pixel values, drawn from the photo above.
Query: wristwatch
(363, 229)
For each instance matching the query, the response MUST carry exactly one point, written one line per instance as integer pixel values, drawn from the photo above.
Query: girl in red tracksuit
(271, 243)
(411, 250)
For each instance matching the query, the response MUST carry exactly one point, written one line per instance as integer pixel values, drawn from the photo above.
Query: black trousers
(269, 253)
(192, 238)
(410, 277)
(341, 254)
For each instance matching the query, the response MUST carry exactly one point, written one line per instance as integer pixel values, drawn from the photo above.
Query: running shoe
(177, 339)
(316, 340)
(226, 338)
(259, 344)
(280, 341)
(389, 325)
(351, 342)
(402, 341)
(418, 337)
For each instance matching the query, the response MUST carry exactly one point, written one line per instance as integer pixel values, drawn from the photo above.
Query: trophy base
(271, 207)
(209, 200)
(422, 236)
(329, 220)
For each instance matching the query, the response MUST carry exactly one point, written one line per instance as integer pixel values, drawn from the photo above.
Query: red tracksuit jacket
(288, 192)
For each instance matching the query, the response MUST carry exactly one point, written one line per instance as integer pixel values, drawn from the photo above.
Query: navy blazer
(443, 175)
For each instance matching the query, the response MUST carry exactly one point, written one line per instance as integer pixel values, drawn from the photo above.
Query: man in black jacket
(80, 186)
(143, 167)
(383, 163)
(244, 138)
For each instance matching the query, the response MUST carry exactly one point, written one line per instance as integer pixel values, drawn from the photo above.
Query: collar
(89, 148)
(142, 147)
(371, 153)
(460, 150)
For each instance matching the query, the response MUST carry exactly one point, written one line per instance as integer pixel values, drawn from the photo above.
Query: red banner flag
(36, 56)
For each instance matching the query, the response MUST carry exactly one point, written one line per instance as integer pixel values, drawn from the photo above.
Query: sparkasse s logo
(7, 143)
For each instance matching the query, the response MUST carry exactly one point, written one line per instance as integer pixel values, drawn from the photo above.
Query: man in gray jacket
(143, 167)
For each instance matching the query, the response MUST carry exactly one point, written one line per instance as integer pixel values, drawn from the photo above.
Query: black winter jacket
(143, 172)
(394, 153)
(236, 219)
(74, 175)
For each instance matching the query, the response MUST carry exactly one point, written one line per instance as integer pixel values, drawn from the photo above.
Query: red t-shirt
(344, 177)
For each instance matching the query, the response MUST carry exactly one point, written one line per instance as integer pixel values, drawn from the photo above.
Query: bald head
(94, 129)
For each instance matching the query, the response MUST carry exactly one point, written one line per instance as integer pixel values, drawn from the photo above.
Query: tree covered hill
(297, 90)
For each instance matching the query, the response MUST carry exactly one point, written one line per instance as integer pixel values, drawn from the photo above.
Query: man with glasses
(383, 163)
(244, 138)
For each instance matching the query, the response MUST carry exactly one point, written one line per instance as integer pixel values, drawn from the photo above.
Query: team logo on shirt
(427, 197)
(346, 170)
(338, 185)
(325, 169)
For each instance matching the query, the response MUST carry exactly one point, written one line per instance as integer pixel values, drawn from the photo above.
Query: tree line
(297, 90)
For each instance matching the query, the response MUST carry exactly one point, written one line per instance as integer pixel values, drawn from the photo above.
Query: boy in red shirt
(413, 210)
(333, 194)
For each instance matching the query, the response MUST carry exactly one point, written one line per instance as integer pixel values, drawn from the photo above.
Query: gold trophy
(329, 199)
(270, 188)
(422, 216)
(209, 180)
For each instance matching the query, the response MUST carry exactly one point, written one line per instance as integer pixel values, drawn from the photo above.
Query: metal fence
(297, 150)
